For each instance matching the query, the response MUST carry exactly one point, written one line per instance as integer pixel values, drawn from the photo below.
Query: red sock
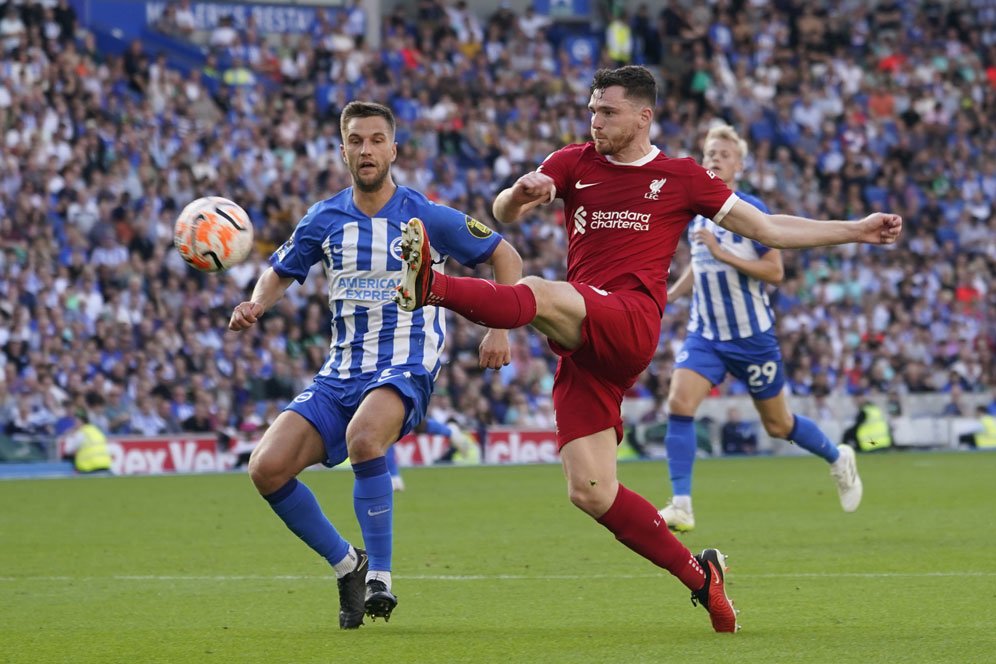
(636, 523)
(485, 302)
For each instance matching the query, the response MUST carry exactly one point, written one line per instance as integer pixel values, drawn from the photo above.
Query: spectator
(833, 147)
(871, 430)
(224, 35)
(954, 406)
(984, 437)
(201, 420)
(86, 446)
(738, 437)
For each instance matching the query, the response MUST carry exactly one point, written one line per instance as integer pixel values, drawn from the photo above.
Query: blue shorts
(755, 360)
(329, 404)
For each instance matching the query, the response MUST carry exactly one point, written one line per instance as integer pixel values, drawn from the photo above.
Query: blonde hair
(727, 133)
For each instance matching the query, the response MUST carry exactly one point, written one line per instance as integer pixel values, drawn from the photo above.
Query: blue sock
(373, 500)
(680, 444)
(392, 462)
(808, 436)
(437, 428)
(297, 506)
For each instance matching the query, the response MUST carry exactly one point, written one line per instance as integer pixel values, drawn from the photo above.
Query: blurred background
(116, 114)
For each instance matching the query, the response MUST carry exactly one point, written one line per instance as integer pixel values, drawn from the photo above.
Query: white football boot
(845, 473)
(678, 515)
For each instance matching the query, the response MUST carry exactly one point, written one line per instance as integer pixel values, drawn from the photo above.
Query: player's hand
(495, 351)
(880, 228)
(708, 239)
(533, 186)
(245, 316)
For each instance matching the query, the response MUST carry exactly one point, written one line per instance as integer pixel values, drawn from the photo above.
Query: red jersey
(624, 220)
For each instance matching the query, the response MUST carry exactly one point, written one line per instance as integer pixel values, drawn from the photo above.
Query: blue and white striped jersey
(361, 256)
(727, 304)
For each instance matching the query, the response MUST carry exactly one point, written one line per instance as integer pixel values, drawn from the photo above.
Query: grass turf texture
(494, 565)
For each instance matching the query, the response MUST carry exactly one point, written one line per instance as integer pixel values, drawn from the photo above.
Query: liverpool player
(626, 208)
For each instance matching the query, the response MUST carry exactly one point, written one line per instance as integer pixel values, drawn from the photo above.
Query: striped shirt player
(731, 330)
(727, 304)
(730, 326)
(382, 362)
(374, 343)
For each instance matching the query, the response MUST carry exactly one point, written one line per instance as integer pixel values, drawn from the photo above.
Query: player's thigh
(687, 391)
(288, 446)
(757, 361)
(775, 415)
(560, 310)
(377, 424)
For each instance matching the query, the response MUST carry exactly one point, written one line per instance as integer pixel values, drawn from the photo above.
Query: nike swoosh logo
(578, 185)
(657, 522)
(337, 249)
(714, 575)
(378, 512)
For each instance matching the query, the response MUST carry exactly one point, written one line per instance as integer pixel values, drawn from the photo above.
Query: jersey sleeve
(707, 194)
(303, 249)
(453, 233)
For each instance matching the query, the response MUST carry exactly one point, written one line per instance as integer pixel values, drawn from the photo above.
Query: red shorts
(619, 337)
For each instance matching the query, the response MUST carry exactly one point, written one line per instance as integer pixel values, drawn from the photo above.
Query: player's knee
(266, 471)
(680, 404)
(364, 446)
(540, 288)
(590, 498)
(778, 427)
(535, 283)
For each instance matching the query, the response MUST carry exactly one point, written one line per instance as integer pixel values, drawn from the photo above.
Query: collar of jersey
(645, 159)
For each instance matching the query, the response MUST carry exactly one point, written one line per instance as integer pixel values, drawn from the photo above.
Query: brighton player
(376, 383)
(730, 330)
(626, 207)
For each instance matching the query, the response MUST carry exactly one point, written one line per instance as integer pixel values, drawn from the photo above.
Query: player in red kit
(626, 207)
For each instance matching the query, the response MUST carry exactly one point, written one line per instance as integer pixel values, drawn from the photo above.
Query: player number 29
(761, 374)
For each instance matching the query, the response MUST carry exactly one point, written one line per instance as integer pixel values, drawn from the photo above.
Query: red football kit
(624, 222)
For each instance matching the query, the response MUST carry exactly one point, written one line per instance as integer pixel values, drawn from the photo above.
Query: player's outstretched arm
(683, 285)
(268, 290)
(768, 268)
(532, 189)
(783, 231)
(495, 351)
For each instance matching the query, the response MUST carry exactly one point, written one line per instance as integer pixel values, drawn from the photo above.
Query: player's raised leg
(289, 446)
(479, 300)
(780, 422)
(688, 389)
(590, 466)
(376, 425)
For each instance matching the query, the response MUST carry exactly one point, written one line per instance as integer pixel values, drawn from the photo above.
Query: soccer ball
(212, 234)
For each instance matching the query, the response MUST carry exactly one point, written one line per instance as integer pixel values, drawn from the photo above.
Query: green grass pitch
(494, 565)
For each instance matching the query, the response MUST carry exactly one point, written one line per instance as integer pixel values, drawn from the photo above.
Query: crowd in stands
(848, 108)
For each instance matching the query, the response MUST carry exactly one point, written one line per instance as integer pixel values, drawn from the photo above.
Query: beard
(372, 184)
(609, 146)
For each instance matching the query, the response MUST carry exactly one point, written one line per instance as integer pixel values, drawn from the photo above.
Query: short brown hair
(637, 81)
(365, 109)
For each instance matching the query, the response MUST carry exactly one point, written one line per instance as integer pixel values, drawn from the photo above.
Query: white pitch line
(495, 577)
